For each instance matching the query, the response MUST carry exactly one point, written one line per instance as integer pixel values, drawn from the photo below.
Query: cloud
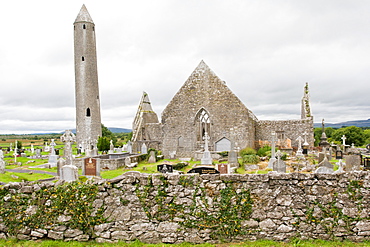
(264, 50)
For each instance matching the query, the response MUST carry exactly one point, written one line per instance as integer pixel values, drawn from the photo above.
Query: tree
(353, 134)
(19, 145)
(103, 144)
(108, 134)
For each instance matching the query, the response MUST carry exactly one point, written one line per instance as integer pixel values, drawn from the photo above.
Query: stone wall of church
(228, 116)
(291, 129)
(156, 208)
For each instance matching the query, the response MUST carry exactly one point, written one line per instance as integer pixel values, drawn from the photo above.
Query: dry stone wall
(176, 208)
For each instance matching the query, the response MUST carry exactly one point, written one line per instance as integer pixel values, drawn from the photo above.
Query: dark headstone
(204, 170)
(338, 155)
(367, 163)
(165, 168)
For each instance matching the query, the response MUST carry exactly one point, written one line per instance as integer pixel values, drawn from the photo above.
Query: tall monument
(88, 119)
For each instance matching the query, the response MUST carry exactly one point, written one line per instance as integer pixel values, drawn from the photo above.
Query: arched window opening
(84, 26)
(203, 123)
(88, 113)
(83, 58)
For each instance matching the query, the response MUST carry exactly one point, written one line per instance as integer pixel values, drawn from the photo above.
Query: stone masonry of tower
(88, 119)
(205, 104)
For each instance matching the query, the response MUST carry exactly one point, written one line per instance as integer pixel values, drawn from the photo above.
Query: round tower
(88, 119)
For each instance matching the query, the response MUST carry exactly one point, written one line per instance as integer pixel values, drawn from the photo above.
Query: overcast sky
(264, 50)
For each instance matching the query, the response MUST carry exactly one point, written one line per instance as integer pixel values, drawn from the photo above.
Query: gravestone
(206, 158)
(69, 173)
(127, 161)
(61, 162)
(353, 163)
(32, 149)
(279, 165)
(91, 167)
(338, 155)
(129, 147)
(165, 168)
(325, 166)
(233, 157)
(204, 170)
(152, 158)
(53, 158)
(46, 148)
(2, 162)
(68, 138)
(223, 168)
(367, 163)
(124, 148)
(300, 150)
(144, 149)
(38, 153)
(172, 155)
(273, 158)
(111, 147)
(340, 165)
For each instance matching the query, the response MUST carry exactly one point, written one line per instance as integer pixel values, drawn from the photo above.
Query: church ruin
(205, 104)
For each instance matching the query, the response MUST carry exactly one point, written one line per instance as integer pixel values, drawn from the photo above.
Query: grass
(19, 177)
(259, 243)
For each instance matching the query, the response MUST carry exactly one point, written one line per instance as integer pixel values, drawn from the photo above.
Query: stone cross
(68, 138)
(2, 162)
(344, 140)
(52, 145)
(273, 134)
(32, 149)
(206, 138)
(272, 159)
(299, 139)
(11, 146)
(305, 139)
(279, 155)
(15, 151)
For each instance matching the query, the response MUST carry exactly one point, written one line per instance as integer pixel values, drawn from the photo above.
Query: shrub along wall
(176, 208)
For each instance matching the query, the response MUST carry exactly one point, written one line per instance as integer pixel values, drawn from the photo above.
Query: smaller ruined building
(205, 104)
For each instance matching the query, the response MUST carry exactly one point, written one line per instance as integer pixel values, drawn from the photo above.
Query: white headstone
(69, 173)
(144, 149)
(272, 159)
(206, 159)
(279, 165)
(2, 162)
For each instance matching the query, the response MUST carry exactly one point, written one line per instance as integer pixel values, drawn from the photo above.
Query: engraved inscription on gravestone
(165, 168)
(204, 170)
(90, 167)
(223, 168)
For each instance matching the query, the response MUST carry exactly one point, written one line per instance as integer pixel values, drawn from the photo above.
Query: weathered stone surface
(55, 235)
(279, 210)
(267, 225)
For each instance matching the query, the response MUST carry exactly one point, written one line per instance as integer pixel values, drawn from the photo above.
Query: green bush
(263, 150)
(179, 166)
(250, 159)
(247, 151)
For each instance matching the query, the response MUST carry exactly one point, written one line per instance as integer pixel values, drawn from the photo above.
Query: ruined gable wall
(291, 128)
(205, 90)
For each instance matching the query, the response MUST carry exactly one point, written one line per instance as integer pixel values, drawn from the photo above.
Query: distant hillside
(119, 130)
(358, 123)
(113, 129)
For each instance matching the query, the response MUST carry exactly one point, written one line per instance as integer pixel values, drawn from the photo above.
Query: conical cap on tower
(84, 15)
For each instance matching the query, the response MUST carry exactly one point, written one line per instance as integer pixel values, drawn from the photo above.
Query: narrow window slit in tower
(88, 114)
(83, 58)
(84, 26)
